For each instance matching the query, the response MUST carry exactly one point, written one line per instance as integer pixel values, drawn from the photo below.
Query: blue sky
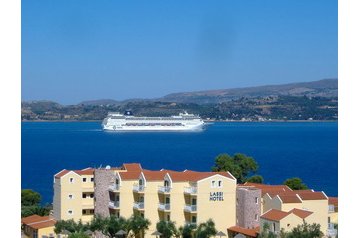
(83, 50)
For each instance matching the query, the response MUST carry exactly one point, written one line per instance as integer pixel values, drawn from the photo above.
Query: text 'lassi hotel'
(183, 197)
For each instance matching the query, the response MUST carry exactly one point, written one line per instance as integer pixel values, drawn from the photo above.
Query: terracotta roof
(132, 166)
(246, 231)
(133, 175)
(289, 198)
(300, 213)
(311, 195)
(333, 201)
(154, 175)
(194, 176)
(38, 222)
(265, 188)
(274, 215)
(87, 171)
(30, 219)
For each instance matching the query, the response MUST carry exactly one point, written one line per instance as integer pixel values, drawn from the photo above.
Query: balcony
(113, 204)
(190, 208)
(114, 188)
(331, 209)
(191, 190)
(138, 205)
(164, 206)
(164, 189)
(331, 232)
(138, 188)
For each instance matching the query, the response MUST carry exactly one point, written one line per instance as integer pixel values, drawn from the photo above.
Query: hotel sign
(216, 196)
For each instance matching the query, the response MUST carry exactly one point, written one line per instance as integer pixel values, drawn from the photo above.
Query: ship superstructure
(127, 122)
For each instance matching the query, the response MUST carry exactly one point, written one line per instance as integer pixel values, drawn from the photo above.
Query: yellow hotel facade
(183, 197)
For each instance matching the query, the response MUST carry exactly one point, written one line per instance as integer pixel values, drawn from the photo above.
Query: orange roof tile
(195, 176)
(333, 201)
(289, 198)
(154, 175)
(300, 213)
(61, 173)
(246, 231)
(132, 175)
(132, 166)
(311, 195)
(38, 222)
(274, 215)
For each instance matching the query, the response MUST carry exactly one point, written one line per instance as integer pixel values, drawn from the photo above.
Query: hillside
(321, 88)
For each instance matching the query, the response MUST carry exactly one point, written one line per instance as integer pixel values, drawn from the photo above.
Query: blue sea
(308, 150)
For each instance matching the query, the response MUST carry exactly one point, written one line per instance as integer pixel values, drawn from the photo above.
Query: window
(220, 184)
(288, 225)
(70, 196)
(92, 179)
(70, 212)
(193, 219)
(71, 180)
(35, 234)
(256, 217)
(91, 211)
(83, 212)
(256, 200)
(168, 217)
(84, 180)
(91, 195)
(83, 195)
(213, 184)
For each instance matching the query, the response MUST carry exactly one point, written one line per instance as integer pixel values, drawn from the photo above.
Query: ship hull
(154, 128)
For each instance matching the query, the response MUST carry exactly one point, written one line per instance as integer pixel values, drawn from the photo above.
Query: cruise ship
(127, 122)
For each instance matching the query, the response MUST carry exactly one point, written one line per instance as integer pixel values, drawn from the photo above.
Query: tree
(306, 231)
(187, 230)
(35, 209)
(295, 184)
(108, 226)
(30, 197)
(70, 226)
(138, 224)
(255, 179)
(78, 235)
(266, 233)
(239, 165)
(205, 230)
(168, 229)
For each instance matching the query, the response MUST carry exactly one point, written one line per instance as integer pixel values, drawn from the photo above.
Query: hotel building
(183, 197)
(279, 207)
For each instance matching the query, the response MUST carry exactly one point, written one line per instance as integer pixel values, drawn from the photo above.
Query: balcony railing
(164, 189)
(331, 208)
(190, 223)
(190, 208)
(138, 188)
(191, 190)
(331, 232)
(114, 187)
(164, 206)
(113, 204)
(138, 205)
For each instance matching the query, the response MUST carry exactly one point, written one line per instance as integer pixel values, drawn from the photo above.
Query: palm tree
(109, 226)
(187, 230)
(168, 229)
(138, 224)
(70, 226)
(205, 230)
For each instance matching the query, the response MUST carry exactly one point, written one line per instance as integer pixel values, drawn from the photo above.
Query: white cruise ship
(127, 122)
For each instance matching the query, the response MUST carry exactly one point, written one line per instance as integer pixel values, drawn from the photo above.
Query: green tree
(78, 235)
(295, 183)
(138, 224)
(205, 230)
(239, 165)
(306, 231)
(255, 179)
(70, 226)
(35, 209)
(266, 233)
(108, 226)
(30, 197)
(187, 230)
(168, 229)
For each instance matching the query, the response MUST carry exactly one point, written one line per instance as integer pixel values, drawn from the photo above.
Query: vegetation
(138, 225)
(301, 231)
(205, 230)
(295, 184)
(187, 231)
(30, 204)
(239, 165)
(244, 108)
(168, 229)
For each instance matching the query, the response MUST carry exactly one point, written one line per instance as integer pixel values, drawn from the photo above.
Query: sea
(308, 150)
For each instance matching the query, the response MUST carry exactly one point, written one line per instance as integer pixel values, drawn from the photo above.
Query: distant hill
(321, 88)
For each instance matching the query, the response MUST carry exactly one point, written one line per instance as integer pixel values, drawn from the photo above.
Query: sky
(73, 51)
